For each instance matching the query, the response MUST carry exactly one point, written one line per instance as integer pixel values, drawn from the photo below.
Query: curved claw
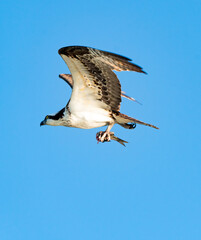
(103, 136)
(108, 136)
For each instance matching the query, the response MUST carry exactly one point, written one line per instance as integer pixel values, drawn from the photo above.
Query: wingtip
(144, 72)
(63, 50)
(137, 102)
(73, 50)
(60, 50)
(62, 76)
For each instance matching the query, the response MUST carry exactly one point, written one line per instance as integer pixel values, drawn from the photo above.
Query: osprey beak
(42, 123)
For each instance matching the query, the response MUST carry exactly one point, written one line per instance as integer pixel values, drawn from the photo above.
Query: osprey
(96, 92)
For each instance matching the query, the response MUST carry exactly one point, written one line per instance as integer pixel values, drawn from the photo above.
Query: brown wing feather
(106, 81)
(119, 63)
(98, 73)
(99, 65)
(116, 62)
(67, 78)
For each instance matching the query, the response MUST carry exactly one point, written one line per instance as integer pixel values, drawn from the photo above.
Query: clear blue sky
(57, 182)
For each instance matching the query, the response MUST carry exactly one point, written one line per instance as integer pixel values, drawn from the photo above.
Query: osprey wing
(117, 62)
(94, 82)
(69, 80)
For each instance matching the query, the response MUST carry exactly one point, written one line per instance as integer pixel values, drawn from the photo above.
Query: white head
(54, 120)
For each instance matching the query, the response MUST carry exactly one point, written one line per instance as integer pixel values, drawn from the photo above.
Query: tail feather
(123, 119)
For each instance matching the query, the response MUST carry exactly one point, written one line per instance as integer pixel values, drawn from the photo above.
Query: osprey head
(54, 120)
(49, 121)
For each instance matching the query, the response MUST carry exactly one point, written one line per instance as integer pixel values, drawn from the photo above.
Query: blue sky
(58, 183)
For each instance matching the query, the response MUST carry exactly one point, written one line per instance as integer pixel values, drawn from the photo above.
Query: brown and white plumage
(96, 95)
(69, 80)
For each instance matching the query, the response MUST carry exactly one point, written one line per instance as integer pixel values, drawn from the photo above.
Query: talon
(103, 136)
(108, 137)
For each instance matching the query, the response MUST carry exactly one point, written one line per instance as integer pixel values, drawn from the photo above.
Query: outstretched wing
(94, 82)
(69, 80)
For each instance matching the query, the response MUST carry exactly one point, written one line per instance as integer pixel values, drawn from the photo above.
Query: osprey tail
(129, 122)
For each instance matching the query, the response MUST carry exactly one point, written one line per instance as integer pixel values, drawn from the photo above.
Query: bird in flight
(96, 92)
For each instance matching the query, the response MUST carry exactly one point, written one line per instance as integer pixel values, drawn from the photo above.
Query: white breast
(86, 109)
(90, 119)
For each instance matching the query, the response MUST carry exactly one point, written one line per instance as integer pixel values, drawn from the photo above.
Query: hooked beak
(43, 123)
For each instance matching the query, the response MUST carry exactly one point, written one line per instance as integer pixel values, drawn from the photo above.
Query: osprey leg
(104, 136)
(112, 137)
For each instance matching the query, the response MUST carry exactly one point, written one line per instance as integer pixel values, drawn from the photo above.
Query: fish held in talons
(110, 136)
